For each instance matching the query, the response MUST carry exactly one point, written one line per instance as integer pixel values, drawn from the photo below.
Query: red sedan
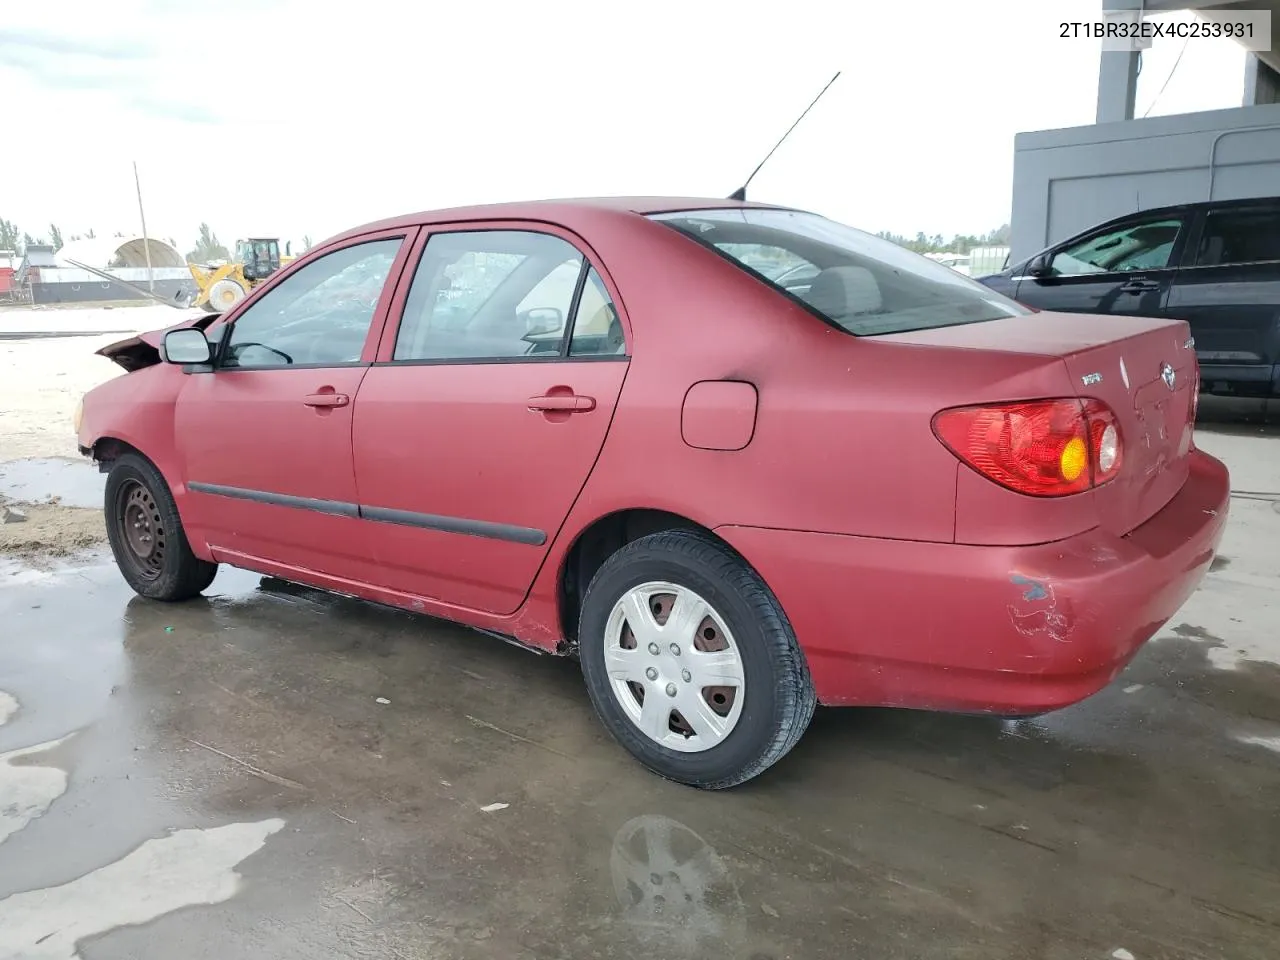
(600, 428)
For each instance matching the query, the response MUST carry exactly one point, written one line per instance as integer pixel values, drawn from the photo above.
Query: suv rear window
(857, 282)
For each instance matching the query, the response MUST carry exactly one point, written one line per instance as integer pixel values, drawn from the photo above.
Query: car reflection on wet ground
(275, 772)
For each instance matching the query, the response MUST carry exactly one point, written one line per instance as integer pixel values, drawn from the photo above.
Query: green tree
(960, 243)
(56, 236)
(208, 247)
(307, 244)
(10, 235)
(90, 235)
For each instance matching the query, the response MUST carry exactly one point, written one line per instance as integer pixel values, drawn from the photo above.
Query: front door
(264, 438)
(1124, 268)
(478, 427)
(1229, 292)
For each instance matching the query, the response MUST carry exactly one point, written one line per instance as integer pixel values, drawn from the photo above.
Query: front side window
(1244, 236)
(1135, 246)
(863, 284)
(320, 314)
(489, 294)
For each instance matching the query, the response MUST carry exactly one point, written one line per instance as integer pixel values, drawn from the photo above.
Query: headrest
(844, 292)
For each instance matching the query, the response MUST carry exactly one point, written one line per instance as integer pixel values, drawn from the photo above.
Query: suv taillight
(1044, 448)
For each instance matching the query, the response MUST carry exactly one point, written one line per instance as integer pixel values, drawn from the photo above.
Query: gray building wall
(1068, 180)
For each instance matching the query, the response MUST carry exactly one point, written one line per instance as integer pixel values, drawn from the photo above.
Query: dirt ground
(47, 363)
(51, 531)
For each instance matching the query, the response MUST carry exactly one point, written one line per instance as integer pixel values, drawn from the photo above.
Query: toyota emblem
(1168, 376)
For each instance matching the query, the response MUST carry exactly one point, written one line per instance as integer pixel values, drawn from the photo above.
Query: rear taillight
(1044, 448)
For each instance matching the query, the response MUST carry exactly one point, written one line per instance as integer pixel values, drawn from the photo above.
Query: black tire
(779, 698)
(137, 494)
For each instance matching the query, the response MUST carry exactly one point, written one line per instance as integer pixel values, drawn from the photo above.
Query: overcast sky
(293, 117)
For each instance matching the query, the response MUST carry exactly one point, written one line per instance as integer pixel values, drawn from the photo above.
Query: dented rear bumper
(1007, 630)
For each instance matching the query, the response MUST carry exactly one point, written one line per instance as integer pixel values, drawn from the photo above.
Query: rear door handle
(326, 400)
(571, 403)
(1140, 286)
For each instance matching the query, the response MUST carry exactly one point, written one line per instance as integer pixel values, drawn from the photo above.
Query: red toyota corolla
(602, 428)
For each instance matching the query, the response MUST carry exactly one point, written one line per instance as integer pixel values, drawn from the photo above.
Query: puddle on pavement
(27, 788)
(187, 868)
(670, 883)
(74, 483)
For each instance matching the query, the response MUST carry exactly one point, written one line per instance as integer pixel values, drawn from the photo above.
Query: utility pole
(146, 244)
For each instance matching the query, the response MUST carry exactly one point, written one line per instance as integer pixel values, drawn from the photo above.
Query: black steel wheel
(146, 534)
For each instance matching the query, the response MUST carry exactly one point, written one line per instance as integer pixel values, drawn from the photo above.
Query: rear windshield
(857, 282)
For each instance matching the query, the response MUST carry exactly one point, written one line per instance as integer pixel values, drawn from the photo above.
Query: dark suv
(1215, 265)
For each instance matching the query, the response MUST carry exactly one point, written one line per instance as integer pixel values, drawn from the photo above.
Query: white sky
(293, 117)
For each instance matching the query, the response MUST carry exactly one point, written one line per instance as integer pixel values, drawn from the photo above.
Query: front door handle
(326, 400)
(568, 403)
(1140, 286)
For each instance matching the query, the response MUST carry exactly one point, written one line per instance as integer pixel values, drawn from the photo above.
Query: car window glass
(597, 331)
(1245, 236)
(490, 294)
(320, 314)
(1135, 246)
(862, 284)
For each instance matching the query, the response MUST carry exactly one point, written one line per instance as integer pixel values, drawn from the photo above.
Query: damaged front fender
(137, 353)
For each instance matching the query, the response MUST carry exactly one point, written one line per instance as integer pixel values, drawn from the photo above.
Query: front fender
(136, 409)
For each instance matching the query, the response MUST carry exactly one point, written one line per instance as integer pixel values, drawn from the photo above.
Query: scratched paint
(185, 869)
(1037, 611)
(1035, 589)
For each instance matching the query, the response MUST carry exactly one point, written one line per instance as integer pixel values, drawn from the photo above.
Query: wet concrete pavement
(1143, 820)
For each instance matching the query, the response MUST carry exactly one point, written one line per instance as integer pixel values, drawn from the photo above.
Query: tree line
(960, 243)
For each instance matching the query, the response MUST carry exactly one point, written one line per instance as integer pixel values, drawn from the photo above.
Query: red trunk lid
(1143, 368)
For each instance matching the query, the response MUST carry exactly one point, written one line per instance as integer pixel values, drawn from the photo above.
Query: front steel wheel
(140, 527)
(146, 534)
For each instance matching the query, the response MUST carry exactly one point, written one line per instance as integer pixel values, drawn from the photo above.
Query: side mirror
(543, 321)
(1041, 265)
(187, 345)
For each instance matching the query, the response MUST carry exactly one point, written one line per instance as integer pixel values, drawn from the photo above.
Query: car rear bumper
(1006, 630)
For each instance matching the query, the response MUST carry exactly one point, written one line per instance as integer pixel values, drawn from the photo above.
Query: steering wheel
(238, 348)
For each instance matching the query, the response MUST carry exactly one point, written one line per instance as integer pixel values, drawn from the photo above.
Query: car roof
(572, 212)
(1191, 206)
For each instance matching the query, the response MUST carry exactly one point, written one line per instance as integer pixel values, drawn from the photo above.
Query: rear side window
(489, 295)
(859, 283)
(1244, 236)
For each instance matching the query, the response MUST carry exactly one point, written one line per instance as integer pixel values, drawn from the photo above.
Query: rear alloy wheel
(690, 661)
(146, 534)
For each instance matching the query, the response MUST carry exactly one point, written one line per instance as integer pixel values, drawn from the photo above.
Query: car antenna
(741, 192)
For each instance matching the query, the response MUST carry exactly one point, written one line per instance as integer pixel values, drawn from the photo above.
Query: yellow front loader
(221, 286)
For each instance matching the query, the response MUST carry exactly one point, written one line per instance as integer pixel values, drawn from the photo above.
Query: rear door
(1126, 267)
(479, 424)
(1229, 292)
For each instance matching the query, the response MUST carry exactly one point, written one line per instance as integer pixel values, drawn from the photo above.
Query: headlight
(78, 415)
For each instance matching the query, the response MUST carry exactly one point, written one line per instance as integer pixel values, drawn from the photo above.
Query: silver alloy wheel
(674, 667)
